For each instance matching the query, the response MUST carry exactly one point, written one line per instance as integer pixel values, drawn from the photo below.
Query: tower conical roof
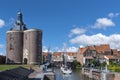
(19, 24)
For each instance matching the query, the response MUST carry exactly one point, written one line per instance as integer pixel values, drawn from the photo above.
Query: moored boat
(66, 70)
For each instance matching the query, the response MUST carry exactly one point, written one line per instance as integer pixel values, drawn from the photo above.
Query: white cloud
(81, 46)
(44, 49)
(111, 15)
(2, 53)
(53, 49)
(2, 23)
(68, 49)
(113, 40)
(76, 31)
(56, 49)
(1, 46)
(103, 23)
(72, 49)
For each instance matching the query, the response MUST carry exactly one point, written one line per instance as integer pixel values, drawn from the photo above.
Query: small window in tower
(11, 38)
(11, 47)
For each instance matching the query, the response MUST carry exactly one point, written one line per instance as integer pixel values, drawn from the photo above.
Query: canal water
(76, 75)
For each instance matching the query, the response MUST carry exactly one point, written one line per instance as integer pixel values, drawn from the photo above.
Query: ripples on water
(74, 76)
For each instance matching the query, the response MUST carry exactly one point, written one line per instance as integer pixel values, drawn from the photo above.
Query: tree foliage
(95, 63)
(76, 64)
(103, 64)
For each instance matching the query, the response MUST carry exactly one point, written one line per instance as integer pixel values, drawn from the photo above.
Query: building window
(11, 38)
(11, 47)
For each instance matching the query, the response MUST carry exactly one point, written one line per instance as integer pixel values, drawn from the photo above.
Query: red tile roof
(45, 53)
(71, 53)
(103, 48)
(98, 49)
(91, 47)
(83, 50)
(115, 52)
(57, 53)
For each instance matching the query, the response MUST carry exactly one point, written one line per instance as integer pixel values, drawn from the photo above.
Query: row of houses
(57, 57)
(103, 52)
(86, 54)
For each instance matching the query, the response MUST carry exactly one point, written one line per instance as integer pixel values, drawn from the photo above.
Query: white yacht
(66, 70)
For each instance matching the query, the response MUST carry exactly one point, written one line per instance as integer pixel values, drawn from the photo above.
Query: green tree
(95, 62)
(103, 64)
(76, 64)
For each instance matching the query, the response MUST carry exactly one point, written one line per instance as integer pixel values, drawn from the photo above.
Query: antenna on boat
(64, 53)
(49, 54)
(64, 46)
(48, 49)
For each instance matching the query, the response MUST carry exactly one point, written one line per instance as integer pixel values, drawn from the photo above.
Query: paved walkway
(37, 74)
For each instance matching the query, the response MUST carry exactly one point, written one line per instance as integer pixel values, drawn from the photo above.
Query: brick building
(23, 45)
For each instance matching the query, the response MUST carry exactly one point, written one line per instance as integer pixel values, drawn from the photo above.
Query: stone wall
(49, 76)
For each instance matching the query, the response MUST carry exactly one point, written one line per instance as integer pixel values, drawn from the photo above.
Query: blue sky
(74, 22)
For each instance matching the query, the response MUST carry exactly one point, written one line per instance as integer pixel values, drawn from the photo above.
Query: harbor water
(76, 75)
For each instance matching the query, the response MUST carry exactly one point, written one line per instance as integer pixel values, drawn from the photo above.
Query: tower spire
(19, 20)
(19, 25)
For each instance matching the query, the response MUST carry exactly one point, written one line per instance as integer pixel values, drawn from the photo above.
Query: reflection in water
(76, 75)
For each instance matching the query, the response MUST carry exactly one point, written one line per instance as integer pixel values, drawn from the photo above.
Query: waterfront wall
(96, 74)
(49, 76)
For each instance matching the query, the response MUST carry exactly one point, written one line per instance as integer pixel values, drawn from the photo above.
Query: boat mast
(64, 54)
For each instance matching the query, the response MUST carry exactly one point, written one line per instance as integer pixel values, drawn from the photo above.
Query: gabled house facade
(86, 55)
(71, 56)
(102, 52)
(80, 55)
(57, 57)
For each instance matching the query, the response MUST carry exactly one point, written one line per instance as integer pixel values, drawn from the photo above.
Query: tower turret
(19, 24)
(19, 18)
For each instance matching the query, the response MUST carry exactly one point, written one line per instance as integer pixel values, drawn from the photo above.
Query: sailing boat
(64, 68)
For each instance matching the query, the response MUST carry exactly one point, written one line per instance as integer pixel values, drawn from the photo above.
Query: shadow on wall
(46, 78)
(10, 61)
(2, 59)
